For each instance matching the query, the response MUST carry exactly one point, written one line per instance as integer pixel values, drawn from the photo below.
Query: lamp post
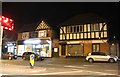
(1, 34)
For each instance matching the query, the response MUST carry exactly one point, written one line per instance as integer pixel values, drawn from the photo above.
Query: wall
(87, 48)
(104, 47)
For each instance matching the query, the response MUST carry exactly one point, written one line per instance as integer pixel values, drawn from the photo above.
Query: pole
(1, 34)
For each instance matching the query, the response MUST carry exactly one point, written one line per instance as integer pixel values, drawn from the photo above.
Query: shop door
(63, 50)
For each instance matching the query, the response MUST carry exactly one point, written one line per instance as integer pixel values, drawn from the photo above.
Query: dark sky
(56, 13)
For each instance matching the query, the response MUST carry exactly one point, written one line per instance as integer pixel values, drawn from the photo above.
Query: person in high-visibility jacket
(32, 57)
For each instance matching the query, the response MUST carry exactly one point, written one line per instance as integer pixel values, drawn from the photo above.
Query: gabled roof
(34, 26)
(42, 25)
(83, 19)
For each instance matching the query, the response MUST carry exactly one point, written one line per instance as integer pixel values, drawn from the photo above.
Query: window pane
(85, 35)
(77, 35)
(60, 37)
(64, 28)
(74, 36)
(92, 27)
(92, 34)
(105, 34)
(85, 28)
(95, 47)
(97, 34)
(88, 35)
(70, 36)
(60, 31)
(88, 27)
(81, 35)
(68, 29)
(105, 27)
(67, 36)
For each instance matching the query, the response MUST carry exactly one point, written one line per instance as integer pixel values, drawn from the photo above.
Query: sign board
(7, 23)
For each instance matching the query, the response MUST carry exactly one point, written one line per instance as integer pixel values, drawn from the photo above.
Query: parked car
(26, 56)
(100, 56)
(9, 55)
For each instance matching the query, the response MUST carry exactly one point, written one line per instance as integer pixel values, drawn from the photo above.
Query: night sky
(55, 12)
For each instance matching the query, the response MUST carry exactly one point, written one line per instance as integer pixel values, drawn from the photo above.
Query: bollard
(32, 57)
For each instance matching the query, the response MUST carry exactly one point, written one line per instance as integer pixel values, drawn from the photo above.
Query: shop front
(40, 46)
(10, 47)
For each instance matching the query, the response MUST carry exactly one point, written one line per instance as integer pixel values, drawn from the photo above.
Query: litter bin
(32, 57)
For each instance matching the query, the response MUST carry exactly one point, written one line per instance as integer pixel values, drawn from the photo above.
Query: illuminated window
(67, 36)
(97, 34)
(85, 35)
(68, 29)
(60, 37)
(74, 36)
(95, 27)
(42, 33)
(100, 25)
(105, 34)
(77, 35)
(25, 35)
(85, 28)
(88, 27)
(70, 36)
(92, 34)
(81, 35)
(88, 35)
(60, 31)
(95, 47)
(64, 29)
(105, 27)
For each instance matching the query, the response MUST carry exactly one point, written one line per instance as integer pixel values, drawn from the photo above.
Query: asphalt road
(58, 67)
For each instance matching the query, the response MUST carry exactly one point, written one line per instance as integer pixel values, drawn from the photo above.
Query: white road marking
(56, 73)
(74, 66)
(39, 70)
(70, 72)
(109, 70)
(88, 65)
(101, 73)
